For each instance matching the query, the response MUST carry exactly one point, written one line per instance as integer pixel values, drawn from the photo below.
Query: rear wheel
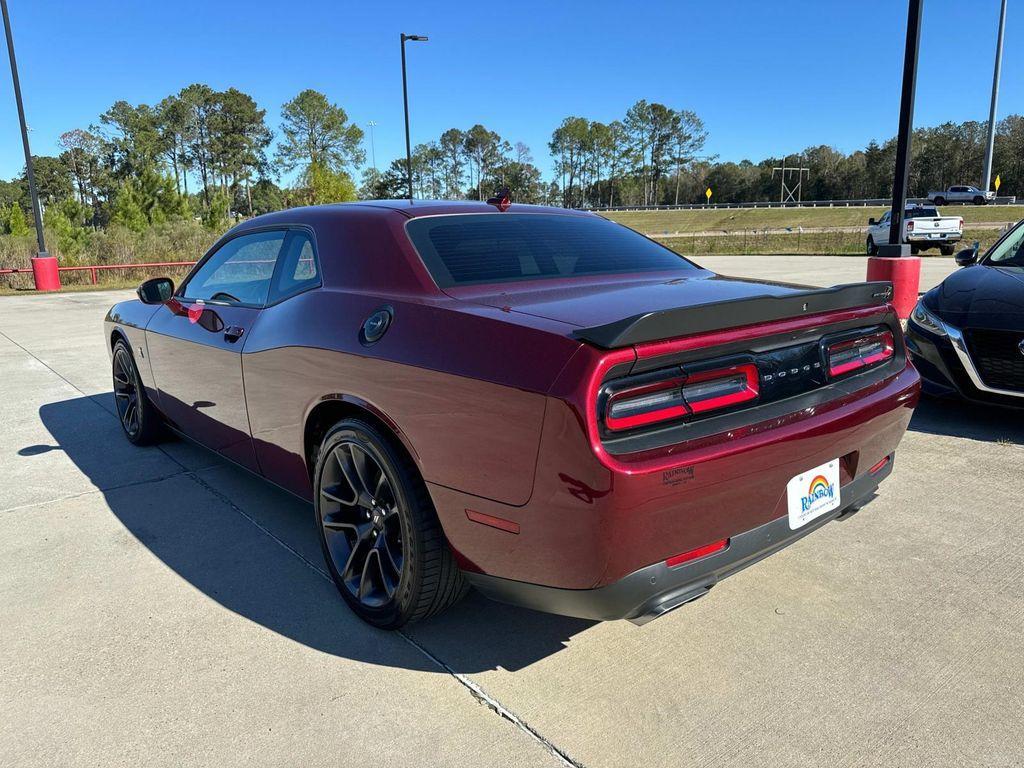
(914, 249)
(947, 250)
(872, 249)
(380, 535)
(940, 201)
(139, 421)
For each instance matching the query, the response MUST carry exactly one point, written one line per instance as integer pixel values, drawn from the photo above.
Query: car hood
(587, 302)
(980, 296)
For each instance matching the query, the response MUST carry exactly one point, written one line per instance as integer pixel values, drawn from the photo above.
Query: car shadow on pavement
(959, 418)
(254, 549)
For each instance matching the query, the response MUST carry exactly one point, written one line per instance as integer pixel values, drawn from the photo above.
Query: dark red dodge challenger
(536, 402)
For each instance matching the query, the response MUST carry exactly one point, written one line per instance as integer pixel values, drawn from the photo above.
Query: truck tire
(940, 201)
(979, 200)
(947, 250)
(872, 249)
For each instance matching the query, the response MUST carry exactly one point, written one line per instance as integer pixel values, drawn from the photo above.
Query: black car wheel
(979, 200)
(139, 421)
(947, 250)
(872, 249)
(940, 201)
(380, 535)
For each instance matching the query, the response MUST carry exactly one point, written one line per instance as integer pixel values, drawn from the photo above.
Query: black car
(966, 335)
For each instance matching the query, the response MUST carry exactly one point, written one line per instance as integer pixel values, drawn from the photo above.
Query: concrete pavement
(158, 606)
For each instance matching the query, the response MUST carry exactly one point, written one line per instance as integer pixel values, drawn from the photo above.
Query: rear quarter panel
(463, 388)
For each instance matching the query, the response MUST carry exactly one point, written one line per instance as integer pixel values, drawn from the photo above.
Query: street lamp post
(373, 151)
(405, 98)
(44, 266)
(990, 144)
(895, 261)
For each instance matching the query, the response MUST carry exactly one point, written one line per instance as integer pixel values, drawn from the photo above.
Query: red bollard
(45, 273)
(905, 275)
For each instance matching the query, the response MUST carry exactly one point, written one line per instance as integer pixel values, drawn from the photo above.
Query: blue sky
(766, 77)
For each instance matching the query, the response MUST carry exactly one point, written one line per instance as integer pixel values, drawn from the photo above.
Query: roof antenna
(501, 200)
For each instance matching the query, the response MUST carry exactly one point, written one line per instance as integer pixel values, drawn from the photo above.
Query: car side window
(297, 269)
(239, 272)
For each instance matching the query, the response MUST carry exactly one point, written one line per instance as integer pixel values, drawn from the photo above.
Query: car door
(196, 339)
(881, 235)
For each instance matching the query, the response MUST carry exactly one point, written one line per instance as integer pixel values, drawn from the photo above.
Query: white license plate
(813, 493)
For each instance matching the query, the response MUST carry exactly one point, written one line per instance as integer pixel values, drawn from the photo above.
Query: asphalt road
(160, 607)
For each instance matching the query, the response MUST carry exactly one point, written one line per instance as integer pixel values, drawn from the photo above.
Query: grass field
(706, 220)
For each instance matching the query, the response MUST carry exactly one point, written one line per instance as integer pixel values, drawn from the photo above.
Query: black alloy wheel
(138, 421)
(381, 538)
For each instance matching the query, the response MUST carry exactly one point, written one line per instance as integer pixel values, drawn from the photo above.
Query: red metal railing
(94, 269)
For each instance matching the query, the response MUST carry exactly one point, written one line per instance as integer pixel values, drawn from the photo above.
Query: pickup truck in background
(923, 229)
(963, 195)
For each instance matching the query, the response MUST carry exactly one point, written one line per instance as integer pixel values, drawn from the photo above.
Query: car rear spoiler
(702, 318)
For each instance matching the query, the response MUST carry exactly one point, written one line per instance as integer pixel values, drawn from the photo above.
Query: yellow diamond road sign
(998, 182)
(707, 193)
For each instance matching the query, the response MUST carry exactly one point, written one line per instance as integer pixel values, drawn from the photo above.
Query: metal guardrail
(94, 269)
(858, 203)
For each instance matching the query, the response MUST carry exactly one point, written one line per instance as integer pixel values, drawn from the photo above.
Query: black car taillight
(679, 396)
(846, 357)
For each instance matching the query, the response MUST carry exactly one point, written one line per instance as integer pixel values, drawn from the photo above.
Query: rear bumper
(652, 591)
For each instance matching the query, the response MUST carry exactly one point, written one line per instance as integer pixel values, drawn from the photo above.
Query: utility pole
(29, 172)
(791, 194)
(44, 266)
(405, 98)
(990, 146)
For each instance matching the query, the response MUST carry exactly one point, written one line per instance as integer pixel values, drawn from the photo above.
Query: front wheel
(139, 421)
(872, 249)
(380, 535)
(979, 200)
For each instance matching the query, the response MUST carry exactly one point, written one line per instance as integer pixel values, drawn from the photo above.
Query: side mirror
(967, 256)
(872, 221)
(156, 290)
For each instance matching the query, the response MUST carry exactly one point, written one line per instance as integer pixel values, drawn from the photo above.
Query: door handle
(233, 332)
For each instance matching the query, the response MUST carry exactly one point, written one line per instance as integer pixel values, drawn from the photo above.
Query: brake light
(910, 226)
(848, 356)
(681, 396)
(961, 227)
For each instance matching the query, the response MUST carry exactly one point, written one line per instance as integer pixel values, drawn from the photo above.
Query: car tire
(140, 422)
(947, 250)
(914, 250)
(872, 249)
(979, 200)
(380, 535)
(940, 201)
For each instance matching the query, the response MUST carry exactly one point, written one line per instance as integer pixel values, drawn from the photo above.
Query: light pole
(405, 98)
(995, 97)
(895, 262)
(373, 152)
(44, 267)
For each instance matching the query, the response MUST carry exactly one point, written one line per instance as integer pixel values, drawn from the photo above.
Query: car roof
(414, 208)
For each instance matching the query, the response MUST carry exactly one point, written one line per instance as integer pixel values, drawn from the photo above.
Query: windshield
(922, 213)
(1008, 252)
(505, 247)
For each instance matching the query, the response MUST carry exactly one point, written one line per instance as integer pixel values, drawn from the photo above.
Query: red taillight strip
(699, 552)
(749, 392)
(887, 351)
(618, 357)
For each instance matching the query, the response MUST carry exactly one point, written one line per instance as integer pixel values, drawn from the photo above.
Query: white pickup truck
(961, 195)
(923, 228)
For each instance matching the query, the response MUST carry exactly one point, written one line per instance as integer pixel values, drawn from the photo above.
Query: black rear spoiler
(683, 321)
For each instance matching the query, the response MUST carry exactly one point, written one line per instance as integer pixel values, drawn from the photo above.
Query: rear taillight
(961, 227)
(848, 356)
(681, 396)
(910, 226)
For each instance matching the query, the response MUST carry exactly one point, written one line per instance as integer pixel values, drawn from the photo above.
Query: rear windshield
(922, 213)
(504, 247)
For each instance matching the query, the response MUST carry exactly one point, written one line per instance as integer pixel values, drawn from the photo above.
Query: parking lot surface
(158, 606)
